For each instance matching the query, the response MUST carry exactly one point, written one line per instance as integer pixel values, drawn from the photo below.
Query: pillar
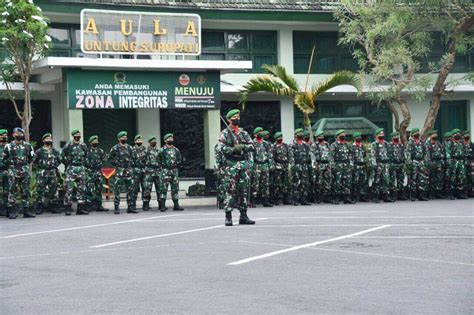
(212, 131)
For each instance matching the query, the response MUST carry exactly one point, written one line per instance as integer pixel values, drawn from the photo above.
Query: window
(258, 46)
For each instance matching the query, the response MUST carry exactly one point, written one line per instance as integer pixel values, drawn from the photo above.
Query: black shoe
(244, 219)
(348, 200)
(12, 213)
(336, 199)
(39, 208)
(221, 204)
(81, 210)
(266, 203)
(228, 218)
(386, 198)
(162, 203)
(116, 209)
(176, 206)
(68, 210)
(100, 207)
(305, 203)
(131, 209)
(423, 197)
(28, 214)
(146, 206)
(286, 200)
(90, 206)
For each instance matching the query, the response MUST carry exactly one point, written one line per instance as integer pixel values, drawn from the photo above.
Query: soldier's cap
(298, 131)
(232, 112)
(168, 135)
(74, 132)
(93, 137)
(305, 133)
(122, 134)
(447, 134)
(319, 133)
(152, 138)
(378, 130)
(414, 130)
(340, 131)
(3, 131)
(395, 134)
(277, 135)
(18, 129)
(465, 132)
(46, 135)
(265, 133)
(431, 132)
(137, 137)
(257, 130)
(455, 130)
(357, 134)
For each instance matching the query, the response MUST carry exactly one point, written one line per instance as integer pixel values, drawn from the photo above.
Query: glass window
(348, 63)
(263, 41)
(460, 64)
(212, 40)
(60, 36)
(329, 110)
(238, 57)
(260, 60)
(237, 41)
(327, 42)
(353, 110)
(60, 53)
(77, 37)
(212, 57)
(326, 63)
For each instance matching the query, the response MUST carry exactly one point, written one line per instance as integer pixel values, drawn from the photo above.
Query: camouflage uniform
(447, 160)
(47, 160)
(237, 167)
(120, 157)
(73, 156)
(342, 172)
(152, 173)
(380, 170)
(457, 168)
(94, 180)
(417, 175)
(139, 158)
(323, 173)
(261, 175)
(17, 156)
(469, 153)
(282, 157)
(435, 157)
(396, 155)
(311, 168)
(360, 180)
(219, 168)
(3, 182)
(300, 171)
(170, 158)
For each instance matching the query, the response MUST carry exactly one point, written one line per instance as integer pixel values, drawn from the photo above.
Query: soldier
(282, 157)
(435, 157)
(447, 157)
(120, 157)
(47, 159)
(457, 166)
(416, 160)
(236, 147)
(300, 171)
(18, 155)
(152, 172)
(261, 174)
(170, 159)
(360, 180)
(3, 174)
(468, 146)
(380, 167)
(139, 157)
(94, 180)
(269, 146)
(219, 168)
(343, 165)
(323, 168)
(396, 154)
(311, 167)
(73, 156)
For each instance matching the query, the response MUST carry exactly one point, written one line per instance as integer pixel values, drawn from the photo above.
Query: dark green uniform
(282, 157)
(342, 172)
(120, 157)
(300, 171)
(380, 168)
(435, 157)
(457, 168)
(360, 183)
(94, 179)
(152, 173)
(73, 156)
(3, 181)
(219, 169)
(139, 159)
(417, 174)
(323, 173)
(47, 160)
(261, 174)
(169, 158)
(396, 155)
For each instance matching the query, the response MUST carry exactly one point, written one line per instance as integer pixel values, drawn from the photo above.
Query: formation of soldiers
(136, 168)
(257, 171)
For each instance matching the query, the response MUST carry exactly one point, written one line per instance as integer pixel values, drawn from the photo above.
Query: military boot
(81, 209)
(3, 210)
(423, 196)
(27, 213)
(348, 200)
(90, 206)
(162, 203)
(462, 194)
(413, 196)
(176, 206)
(228, 218)
(286, 199)
(146, 206)
(266, 203)
(305, 202)
(221, 204)
(68, 210)
(386, 198)
(12, 212)
(100, 207)
(131, 208)
(244, 219)
(116, 209)
(376, 198)
(336, 199)
(39, 208)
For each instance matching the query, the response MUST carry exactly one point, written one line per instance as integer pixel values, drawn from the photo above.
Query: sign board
(140, 33)
(92, 89)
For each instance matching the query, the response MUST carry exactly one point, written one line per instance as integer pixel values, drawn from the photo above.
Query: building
(237, 38)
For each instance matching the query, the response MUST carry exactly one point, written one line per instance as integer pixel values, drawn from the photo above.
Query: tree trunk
(395, 115)
(307, 125)
(406, 118)
(27, 116)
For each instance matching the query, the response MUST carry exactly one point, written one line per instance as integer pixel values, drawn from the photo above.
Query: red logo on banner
(184, 79)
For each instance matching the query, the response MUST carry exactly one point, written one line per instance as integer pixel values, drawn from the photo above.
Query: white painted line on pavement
(286, 250)
(88, 226)
(407, 217)
(349, 225)
(163, 235)
(418, 237)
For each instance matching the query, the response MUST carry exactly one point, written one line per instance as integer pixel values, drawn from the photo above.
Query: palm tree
(279, 82)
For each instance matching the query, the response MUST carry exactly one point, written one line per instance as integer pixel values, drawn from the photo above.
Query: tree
(279, 82)
(23, 33)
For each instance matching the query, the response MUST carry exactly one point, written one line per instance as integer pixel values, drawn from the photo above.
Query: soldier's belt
(323, 162)
(383, 161)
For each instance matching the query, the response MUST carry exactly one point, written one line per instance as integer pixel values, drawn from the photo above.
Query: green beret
(395, 134)
(92, 138)
(340, 131)
(265, 132)
(305, 133)
(299, 130)
(257, 130)
(137, 137)
(447, 134)
(465, 132)
(357, 134)
(168, 135)
(277, 135)
(456, 130)
(122, 134)
(414, 130)
(74, 132)
(378, 130)
(431, 132)
(152, 138)
(232, 112)
(3, 131)
(46, 135)
(319, 133)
